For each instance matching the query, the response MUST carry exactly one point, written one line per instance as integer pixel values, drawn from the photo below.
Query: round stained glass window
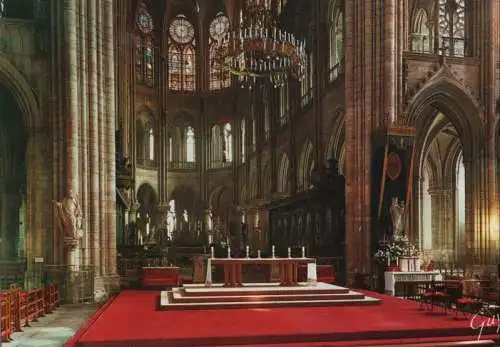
(218, 27)
(145, 21)
(181, 30)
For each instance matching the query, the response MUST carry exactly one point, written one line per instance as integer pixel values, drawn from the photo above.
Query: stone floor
(54, 329)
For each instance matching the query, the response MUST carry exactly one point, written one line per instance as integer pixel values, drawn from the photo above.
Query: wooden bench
(153, 277)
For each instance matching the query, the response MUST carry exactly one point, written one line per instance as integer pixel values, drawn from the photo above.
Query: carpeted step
(261, 289)
(179, 297)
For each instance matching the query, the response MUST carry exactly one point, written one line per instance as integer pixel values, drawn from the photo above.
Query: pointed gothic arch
(306, 165)
(284, 174)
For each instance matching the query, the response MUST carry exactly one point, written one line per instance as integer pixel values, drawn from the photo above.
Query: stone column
(359, 81)
(71, 78)
(110, 131)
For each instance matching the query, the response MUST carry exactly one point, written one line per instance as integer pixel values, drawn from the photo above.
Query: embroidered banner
(393, 172)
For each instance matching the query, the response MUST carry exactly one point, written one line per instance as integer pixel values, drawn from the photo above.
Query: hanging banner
(393, 171)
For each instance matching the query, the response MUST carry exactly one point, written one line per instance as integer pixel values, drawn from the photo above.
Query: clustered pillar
(88, 112)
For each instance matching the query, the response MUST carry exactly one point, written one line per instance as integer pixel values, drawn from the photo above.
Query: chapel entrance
(442, 211)
(12, 178)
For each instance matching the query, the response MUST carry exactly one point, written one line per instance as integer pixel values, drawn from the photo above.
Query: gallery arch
(12, 178)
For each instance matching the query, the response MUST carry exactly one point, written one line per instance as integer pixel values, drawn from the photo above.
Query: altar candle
(303, 252)
(289, 252)
(229, 252)
(258, 253)
(273, 251)
(248, 251)
(212, 252)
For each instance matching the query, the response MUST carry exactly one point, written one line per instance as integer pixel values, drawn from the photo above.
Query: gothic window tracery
(181, 55)
(336, 38)
(421, 40)
(219, 77)
(452, 27)
(190, 145)
(306, 85)
(228, 143)
(144, 49)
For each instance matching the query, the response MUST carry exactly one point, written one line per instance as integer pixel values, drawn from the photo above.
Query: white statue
(69, 216)
(171, 220)
(397, 211)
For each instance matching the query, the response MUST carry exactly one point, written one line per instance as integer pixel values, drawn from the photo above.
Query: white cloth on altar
(312, 275)
(208, 278)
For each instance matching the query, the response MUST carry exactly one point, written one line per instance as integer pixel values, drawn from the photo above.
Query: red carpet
(132, 320)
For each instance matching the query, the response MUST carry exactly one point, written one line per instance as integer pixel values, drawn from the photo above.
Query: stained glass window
(219, 77)
(228, 143)
(144, 47)
(452, 27)
(190, 145)
(181, 55)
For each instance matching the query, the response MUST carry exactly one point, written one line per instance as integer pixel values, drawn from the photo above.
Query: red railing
(19, 308)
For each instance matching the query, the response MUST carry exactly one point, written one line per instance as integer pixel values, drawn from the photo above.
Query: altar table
(288, 269)
(393, 277)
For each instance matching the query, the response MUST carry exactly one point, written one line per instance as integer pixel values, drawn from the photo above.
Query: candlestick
(289, 252)
(273, 251)
(229, 252)
(212, 252)
(303, 252)
(248, 251)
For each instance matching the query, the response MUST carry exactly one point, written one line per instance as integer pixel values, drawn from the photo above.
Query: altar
(288, 269)
(394, 277)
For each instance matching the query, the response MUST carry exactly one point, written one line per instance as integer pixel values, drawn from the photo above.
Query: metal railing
(76, 283)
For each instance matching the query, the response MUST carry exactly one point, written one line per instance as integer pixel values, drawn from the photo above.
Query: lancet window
(228, 143)
(144, 48)
(336, 38)
(181, 55)
(219, 77)
(190, 145)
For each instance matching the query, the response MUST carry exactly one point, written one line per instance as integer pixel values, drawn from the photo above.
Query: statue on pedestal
(397, 211)
(69, 216)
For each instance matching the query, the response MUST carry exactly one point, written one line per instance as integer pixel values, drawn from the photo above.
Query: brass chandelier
(258, 49)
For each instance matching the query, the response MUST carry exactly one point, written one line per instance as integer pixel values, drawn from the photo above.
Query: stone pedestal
(71, 251)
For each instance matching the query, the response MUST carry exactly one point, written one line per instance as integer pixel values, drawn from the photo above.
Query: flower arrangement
(393, 251)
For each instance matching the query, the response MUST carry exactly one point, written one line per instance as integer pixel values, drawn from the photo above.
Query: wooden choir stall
(315, 219)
